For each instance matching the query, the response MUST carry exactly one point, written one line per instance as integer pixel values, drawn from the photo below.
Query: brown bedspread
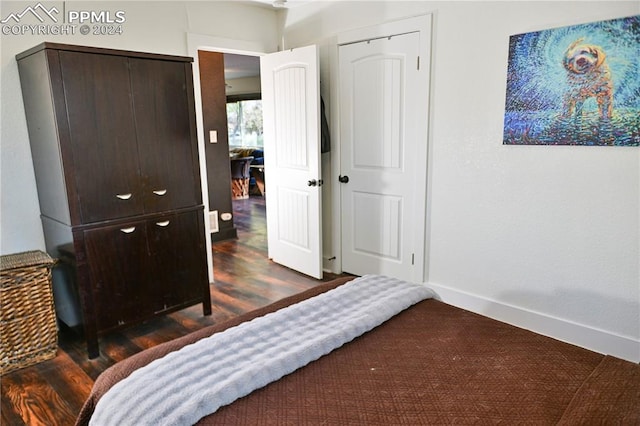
(431, 364)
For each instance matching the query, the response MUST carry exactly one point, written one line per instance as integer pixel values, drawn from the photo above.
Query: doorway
(379, 142)
(299, 65)
(246, 142)
(197, 43)
(244, 124)
(231, 120)
(383, 132)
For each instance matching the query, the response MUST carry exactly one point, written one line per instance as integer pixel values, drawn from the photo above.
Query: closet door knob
(128, 230)
(163, 223)
(124, 196)
(160, 192)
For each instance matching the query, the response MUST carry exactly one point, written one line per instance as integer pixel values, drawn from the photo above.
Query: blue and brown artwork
(577, 85)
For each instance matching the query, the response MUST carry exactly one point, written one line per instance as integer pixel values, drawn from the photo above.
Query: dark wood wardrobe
(113, 140)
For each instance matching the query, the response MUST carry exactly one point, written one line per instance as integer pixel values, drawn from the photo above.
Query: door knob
(343, 179)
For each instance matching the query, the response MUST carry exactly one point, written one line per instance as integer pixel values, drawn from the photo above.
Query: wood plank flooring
(52, 392)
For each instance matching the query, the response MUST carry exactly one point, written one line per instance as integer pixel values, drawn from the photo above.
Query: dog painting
(588, 76)
(575, 85)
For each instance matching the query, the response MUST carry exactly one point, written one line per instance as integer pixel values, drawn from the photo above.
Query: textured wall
(550, 230)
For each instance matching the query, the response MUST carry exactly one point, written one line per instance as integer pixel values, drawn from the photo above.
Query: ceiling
(240, 66)
(279, 4)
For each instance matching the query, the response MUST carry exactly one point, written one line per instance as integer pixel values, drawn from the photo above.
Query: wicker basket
(28, 328)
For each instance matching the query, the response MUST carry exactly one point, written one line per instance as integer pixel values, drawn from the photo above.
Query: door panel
(296, 204)
(380, 128)
(118, 266)
(291, 115)
(178, 260)
(290, 111)
(378, 234)
(377, 137)
(167, 147)
(102, 134)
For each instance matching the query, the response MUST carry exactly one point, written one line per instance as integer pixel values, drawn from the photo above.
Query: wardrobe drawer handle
(160, 192)
(124, 196)
(163, 223)
(128, 230)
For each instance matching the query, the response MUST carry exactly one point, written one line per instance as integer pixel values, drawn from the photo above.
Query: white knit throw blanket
(188, 384)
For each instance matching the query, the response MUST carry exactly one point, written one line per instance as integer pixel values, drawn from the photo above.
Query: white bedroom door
(291, 123)
(383, 107)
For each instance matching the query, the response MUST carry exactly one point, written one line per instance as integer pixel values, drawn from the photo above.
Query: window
(244, 121)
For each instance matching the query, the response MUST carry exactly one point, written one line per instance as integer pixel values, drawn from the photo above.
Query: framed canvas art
(575, 85)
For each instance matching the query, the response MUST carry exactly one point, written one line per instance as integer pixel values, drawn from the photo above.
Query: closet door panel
(118, 262)
(166, 136)
(179, 260)
(102, 135)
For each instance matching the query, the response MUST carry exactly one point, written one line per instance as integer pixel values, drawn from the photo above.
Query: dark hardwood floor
(52, 392)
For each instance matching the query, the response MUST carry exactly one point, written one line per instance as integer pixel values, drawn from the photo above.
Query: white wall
(545, 237)
(150, 26)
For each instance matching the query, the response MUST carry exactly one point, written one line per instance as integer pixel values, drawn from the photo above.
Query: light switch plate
(213, 136)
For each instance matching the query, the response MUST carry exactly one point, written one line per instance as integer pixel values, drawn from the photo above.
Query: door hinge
(413, 258)
(418, 63)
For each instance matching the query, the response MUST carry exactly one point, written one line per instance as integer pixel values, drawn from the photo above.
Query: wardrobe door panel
(179, 259)
(118, 262)
(102, 135)
(166, 134)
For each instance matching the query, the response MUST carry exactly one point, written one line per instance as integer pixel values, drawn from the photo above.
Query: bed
(429, 363)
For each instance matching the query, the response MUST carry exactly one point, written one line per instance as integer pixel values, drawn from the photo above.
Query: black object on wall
(214, 113)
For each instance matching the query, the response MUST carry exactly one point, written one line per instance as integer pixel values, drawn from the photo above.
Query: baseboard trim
(577, 334)
(224, 234)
